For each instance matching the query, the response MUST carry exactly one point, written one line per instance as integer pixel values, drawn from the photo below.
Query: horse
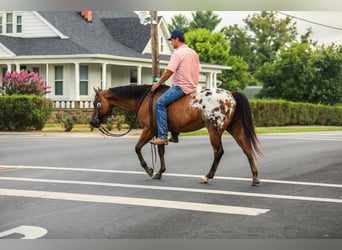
(216, 109)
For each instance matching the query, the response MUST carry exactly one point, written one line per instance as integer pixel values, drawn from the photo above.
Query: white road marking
(175, 175)
(193, 190)
(29, 232)
(306, 136)
(193, 206)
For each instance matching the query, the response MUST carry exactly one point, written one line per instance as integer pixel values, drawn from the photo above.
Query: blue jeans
(163, 101)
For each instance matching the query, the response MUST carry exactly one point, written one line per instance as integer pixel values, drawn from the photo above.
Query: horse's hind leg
(216, 143)
(239, 136)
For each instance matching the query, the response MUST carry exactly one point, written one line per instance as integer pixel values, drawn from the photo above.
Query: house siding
(33, 25)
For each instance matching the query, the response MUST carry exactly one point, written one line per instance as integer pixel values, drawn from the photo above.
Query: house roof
(117, 33)
(42, 46)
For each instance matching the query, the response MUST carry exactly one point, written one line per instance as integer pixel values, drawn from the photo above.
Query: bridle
(104, 131)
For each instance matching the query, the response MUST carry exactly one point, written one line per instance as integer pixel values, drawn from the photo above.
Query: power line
(309, 21)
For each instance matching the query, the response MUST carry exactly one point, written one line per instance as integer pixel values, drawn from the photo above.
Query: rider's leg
(163, 101)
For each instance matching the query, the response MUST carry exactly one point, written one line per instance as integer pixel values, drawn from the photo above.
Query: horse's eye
(98, 105)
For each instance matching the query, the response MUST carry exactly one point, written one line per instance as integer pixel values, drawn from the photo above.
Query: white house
(76, 51)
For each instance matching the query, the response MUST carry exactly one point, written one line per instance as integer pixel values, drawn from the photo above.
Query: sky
(322, 34)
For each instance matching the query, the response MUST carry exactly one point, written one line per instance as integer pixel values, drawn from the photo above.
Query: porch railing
(72, 104)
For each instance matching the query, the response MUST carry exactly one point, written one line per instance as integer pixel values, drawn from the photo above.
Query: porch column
(77, 81)
(47, 77)
(17, 65)
(209, 80)
(139, 75)
(215, 80)
(104, 76)
(9, 67)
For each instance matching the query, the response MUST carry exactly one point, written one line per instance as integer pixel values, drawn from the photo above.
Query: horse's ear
(95, 90)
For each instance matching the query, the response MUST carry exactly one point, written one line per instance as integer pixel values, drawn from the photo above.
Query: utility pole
(154, 46)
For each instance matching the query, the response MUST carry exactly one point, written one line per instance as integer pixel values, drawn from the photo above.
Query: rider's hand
(154, 87)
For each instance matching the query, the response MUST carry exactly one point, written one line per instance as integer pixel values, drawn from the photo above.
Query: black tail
(243, 113)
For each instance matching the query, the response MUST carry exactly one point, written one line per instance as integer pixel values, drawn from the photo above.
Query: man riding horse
(184, 65)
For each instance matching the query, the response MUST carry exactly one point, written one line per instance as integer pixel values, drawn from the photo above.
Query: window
(133, 75)
(9, 22)
(19, 24)
(58, 80)
(161, 45)
(35, 70)
(83, 80)
(0, 24)
(4, 71)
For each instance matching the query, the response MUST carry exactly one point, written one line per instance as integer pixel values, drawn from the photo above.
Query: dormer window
(11, 22)
(19, 24)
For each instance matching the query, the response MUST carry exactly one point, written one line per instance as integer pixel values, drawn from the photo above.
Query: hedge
(282, 113)
(24, 112)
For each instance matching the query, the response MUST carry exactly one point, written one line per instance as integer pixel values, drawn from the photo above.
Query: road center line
(193, 190)
(174, 175)
(202, 207)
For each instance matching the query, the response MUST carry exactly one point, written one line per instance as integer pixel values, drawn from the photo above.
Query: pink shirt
(185, 65)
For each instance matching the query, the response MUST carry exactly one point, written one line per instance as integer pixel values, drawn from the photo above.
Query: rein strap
(104, 131)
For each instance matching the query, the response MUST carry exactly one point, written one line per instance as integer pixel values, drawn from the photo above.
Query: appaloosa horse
(218, 110)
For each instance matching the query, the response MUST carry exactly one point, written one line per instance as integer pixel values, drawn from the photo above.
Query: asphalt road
(63, 187)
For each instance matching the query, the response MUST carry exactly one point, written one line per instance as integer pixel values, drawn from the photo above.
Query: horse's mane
(132, 91)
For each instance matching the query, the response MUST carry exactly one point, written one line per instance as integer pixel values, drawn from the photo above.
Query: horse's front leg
(144, 138)
(161, 153)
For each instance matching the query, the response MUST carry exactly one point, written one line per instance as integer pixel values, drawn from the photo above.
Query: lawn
(260, 130)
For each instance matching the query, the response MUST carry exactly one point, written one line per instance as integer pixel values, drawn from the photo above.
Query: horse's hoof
(204, 180)
(149, 171)
(157, 176)
(255, 181)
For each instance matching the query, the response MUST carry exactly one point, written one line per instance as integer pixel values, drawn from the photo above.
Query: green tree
(214, 48)
(285, 79)
(240, 42)
(238, 77)
(241, 55)
(204, 20)
(179, 22)
(261, 39)
(303, 74)
(270, 34)
(211, 47)
(326, 87)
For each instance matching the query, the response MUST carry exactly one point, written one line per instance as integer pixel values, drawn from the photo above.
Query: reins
(153, 147)
(104, 131)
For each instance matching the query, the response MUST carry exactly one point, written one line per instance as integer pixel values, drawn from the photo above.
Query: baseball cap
(176, 34)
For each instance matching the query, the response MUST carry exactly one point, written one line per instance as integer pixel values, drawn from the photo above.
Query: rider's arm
(166, 75)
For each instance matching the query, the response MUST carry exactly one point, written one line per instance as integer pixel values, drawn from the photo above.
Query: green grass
(55, 127)
(262, 130)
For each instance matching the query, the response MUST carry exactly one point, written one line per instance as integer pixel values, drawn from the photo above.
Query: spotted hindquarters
(217, 106)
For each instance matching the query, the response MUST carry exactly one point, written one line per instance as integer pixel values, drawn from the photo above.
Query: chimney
(87, 15)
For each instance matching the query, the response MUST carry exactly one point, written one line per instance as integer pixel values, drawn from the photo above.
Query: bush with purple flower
(23, 105)
(24, 83)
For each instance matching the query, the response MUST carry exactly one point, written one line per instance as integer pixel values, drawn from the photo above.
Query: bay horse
(217, 109)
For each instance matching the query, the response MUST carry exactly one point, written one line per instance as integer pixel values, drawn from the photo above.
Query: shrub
(68, 119)
(22, 112)
(282, 113)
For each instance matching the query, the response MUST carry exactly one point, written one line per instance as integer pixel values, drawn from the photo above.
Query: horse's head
(102, 108)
